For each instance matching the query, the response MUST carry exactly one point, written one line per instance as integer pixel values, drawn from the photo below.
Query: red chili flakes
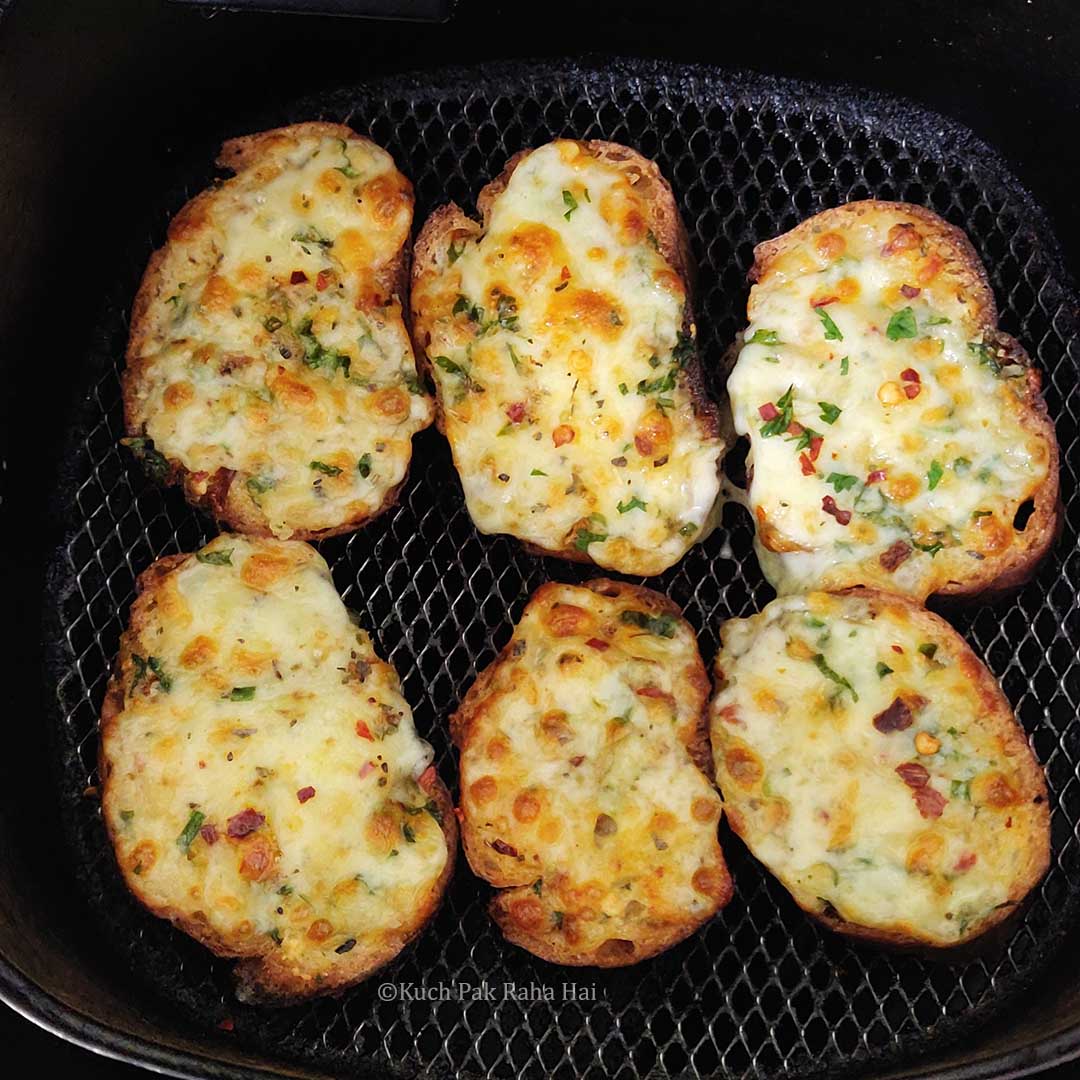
(876, 476)
(913, 774)
(828, 504)
(579, 758)
(768, 411)
(503, 848)
(598, 644)
(897, 717)
(364, 731)
(209, 833)
(426, 779)
(912, 382)
(564, 274)
(366, 769)
(897, 649)
(930, 802)
(226, 1024)
(807, 465)
(654, 692)
(895, 554)
(516, 411)
(823, 301)
(322, 280)
(966, 861)
(244, 823)
(297, 277)
(910, 291)
(815, 446)
(795, 428)
(304, 794)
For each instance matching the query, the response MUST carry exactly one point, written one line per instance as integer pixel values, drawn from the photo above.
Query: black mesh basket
(761, 991)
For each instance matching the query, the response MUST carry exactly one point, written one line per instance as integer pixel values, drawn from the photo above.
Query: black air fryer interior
(761, 992)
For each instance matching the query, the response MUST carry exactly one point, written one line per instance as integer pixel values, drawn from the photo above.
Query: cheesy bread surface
(584, 795)
(269, 365)
(871, 762)
(897, 438)
(263, 784)
(561, 342)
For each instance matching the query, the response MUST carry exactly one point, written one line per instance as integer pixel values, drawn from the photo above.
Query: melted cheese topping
(902, 414)
(262, 776)
(557, 346)
(577, 784)
(275, 349)
(812, 767)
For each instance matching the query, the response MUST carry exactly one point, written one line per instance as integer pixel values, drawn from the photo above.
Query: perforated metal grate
(761, 991)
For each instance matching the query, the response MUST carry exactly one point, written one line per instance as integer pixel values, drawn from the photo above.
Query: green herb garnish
(841, 481)
(215, 558)
(242, 693)
(936, 472)
(764, 337)
(153, 461)
(823, 667)
(328, 470)
(347, 169)
(832, 331)
(660, 625)
(883, 670)
(902, 325)
(191, 830)
(363, 466)
(634, 503)
(829, 413)
(782, 422)
(311, 235)
(569, 202)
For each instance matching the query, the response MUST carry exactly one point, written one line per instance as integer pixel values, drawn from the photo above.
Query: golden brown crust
(261, 977)
(964, 268)
(233, 509)
(514, 884)
(450, 224)
(996, 716)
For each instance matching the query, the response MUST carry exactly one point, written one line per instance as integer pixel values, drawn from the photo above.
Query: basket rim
(855, 102)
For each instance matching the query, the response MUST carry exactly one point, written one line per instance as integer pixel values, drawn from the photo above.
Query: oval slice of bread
(262, 782)
(269, 368)
(872, 763)
(561, 340)
(585, 797)
(897, 438)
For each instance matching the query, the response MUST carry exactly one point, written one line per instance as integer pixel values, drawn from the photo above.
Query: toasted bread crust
(232, 508)
(1011, 568)
(996, 716)
(465, 729)
(450, 223)
(261, 978)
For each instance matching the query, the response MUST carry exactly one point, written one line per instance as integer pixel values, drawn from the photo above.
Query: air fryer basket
(761, 992)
